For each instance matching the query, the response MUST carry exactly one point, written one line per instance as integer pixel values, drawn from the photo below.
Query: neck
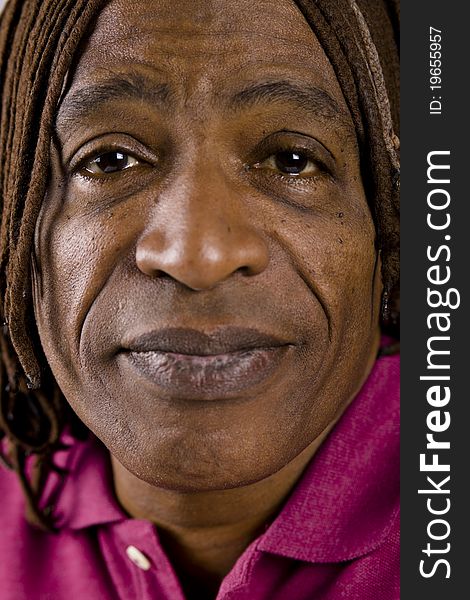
(205, 532)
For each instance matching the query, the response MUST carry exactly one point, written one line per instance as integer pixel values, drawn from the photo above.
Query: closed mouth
(191, 364)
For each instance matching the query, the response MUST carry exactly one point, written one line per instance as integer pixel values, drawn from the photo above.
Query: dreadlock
(39, 40)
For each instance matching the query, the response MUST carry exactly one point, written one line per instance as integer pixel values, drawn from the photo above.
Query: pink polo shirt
(337, 536)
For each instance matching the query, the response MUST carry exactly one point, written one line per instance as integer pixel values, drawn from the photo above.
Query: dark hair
(39, 40)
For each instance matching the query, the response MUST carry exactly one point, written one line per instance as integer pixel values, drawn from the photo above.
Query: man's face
(207, 286)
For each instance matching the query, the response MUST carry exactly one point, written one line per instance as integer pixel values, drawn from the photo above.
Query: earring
(385, 308)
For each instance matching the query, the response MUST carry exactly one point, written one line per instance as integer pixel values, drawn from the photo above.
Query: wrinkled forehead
(202, 48)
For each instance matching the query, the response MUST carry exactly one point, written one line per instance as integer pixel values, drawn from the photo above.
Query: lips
(190, 364)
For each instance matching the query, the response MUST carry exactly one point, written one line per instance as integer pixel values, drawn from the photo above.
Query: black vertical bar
(424, 130)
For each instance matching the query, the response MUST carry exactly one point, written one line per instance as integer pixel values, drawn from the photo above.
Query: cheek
(335, 254)
(76, 257)
(347, 266)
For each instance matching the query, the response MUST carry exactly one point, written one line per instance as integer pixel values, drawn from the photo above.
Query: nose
(199, 236)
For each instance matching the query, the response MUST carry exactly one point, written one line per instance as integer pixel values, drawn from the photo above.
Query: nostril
(162, 275)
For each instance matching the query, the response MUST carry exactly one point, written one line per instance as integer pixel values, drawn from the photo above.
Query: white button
(138, 558)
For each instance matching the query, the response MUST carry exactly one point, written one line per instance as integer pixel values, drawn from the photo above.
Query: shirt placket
(137, 564)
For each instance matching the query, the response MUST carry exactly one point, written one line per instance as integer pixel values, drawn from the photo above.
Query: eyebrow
(88, 99)
(307, 97)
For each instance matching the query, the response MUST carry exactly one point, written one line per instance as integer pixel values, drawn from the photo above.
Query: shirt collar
(343, 506)
(83, 495)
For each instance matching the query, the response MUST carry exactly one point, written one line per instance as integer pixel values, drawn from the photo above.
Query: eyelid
(291, 141)
(110, 143)
(319, 168)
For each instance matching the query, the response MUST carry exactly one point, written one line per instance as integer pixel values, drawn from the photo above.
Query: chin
(203, 467)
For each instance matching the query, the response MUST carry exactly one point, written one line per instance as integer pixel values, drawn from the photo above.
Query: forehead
(202, 48)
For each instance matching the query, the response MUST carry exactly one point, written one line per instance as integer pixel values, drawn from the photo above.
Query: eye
(110, 162)
(292, 163)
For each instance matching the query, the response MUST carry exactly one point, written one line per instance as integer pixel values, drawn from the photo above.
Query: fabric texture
(337, 536)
